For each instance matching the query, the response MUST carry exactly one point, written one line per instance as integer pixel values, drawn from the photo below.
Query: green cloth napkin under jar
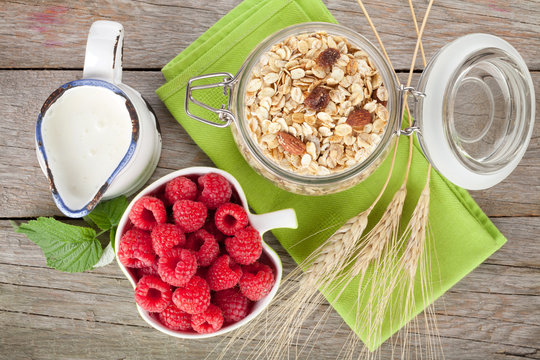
(463, 235)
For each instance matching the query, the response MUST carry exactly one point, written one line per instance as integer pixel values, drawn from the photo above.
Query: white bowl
(264, 222)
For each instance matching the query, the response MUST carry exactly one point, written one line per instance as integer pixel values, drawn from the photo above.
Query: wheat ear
(415, 268)
(376, 251)
(417, 239)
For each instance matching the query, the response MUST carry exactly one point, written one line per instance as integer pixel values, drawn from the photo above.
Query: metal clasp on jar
(417, 95)
(224, 114)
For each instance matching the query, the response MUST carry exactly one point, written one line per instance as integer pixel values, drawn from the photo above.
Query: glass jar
(474, 112)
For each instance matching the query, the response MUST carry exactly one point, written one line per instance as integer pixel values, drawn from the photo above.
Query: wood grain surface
(493, 313)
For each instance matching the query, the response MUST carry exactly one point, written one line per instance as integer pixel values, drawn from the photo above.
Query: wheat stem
(419, 41)
(376, 33)
(414, 255)
(374, 29)
(415, 22)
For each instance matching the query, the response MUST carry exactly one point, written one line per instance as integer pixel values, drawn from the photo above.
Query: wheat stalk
(372, 247)
(415, 268)
(381, 246)
(414, 255)
(385, 278)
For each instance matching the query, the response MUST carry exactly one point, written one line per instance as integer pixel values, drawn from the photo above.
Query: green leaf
(112, 235)
(89, 221)
(107, 214)
(67, 247)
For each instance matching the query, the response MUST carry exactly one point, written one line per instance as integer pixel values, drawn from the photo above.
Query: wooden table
(493, 313)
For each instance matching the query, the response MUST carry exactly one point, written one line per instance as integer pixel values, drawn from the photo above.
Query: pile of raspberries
(197, 259)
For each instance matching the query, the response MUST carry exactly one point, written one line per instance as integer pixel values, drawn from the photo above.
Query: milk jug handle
(103, 58)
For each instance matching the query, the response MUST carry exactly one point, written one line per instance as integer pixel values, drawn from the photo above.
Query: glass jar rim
(359, 41)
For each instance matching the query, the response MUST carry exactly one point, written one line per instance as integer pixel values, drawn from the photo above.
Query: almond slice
(291, 144)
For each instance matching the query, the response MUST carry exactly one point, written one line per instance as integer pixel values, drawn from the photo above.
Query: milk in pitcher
(86, 133)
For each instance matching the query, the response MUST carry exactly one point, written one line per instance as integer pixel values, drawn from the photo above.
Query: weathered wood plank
(24, 190)
(522, 235)
(44, 337)
(71, 295)
(52, 34)
(58, 340)
(70, 303)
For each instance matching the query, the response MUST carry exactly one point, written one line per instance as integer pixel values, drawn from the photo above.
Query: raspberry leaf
(67, 248)
(112, 235)
(107, 214)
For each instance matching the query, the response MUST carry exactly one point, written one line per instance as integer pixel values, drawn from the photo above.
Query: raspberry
(224, 273)
(149, 270)
(208, 321)
(177, 266)
(180, 188)
(215, 190)
(245, 247)
(201, 272)
(175, 319)
(257, 280)
(233, 304)
(152, 294)
(189, 215)
(147, 212)
(193, 298)
(211, 227)
(230, 218)
(165, 237)
(205, 246)
(136, 249)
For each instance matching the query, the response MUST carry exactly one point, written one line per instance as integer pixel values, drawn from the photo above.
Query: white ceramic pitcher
(103, 69)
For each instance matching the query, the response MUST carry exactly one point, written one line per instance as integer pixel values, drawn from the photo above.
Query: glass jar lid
(477, 115)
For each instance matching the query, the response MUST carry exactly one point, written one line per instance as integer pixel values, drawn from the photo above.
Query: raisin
(317, 99)
(328, 57)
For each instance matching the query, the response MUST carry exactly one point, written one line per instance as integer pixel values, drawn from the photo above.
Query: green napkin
(463, 235)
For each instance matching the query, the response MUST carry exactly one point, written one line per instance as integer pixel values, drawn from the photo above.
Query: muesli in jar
(316, 104)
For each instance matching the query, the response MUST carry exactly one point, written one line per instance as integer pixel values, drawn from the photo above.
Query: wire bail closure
(417, 95)
(224, 113)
